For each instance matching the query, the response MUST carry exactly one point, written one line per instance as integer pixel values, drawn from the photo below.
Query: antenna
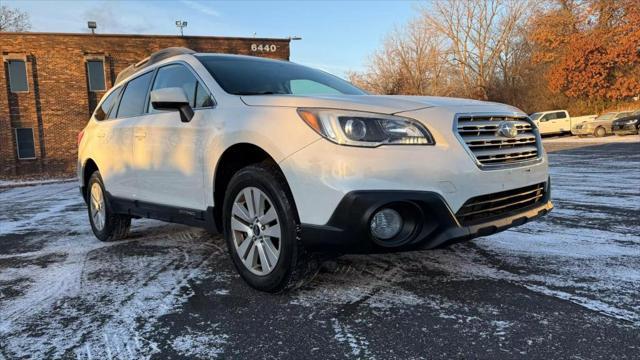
(181, 25)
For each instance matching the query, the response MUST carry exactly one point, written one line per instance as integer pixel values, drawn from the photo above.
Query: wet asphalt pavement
(565, 286)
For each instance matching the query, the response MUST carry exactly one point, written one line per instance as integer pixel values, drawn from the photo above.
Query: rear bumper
(435, 225)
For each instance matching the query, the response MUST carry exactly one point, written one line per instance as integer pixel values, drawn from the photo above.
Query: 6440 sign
(263, 47)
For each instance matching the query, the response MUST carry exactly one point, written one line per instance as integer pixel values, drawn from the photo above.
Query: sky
(337, 36)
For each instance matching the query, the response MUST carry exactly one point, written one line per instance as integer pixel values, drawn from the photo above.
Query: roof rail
(152, 59)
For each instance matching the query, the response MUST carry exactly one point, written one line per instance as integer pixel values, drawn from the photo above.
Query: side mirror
(172, 98)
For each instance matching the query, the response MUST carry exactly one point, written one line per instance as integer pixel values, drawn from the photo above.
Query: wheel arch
(88, 169)
(234, 158)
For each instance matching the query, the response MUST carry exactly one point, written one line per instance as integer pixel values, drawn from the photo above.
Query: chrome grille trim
(477, 132)
(484, 207)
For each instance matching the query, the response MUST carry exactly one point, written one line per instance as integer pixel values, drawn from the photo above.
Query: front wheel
(106, 225)
(262, 231)
(599, 132)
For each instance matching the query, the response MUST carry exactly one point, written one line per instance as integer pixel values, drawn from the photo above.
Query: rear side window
(135, 96)
(102, 112)
(561, 115)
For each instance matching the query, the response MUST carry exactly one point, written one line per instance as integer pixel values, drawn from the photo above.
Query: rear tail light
(80, 135)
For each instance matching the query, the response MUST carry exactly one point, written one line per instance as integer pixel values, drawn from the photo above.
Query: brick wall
(59, 103)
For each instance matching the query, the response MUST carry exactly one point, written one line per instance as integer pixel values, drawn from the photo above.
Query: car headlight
(357, 128)
(632, 121)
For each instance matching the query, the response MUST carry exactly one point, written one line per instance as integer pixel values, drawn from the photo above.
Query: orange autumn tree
(591, 49)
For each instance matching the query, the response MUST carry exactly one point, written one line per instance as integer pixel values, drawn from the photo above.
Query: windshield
(607, 116)
(258, 76)
(535, 116)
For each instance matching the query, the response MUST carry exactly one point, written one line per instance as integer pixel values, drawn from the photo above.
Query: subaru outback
(293, 165)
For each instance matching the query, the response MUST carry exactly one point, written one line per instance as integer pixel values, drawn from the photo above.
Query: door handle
(100, 135)
(140, 134)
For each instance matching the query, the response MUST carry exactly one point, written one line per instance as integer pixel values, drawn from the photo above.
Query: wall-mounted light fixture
(93, 26)
(181, 25)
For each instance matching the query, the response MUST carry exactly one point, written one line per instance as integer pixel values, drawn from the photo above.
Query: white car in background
(293, 164)
(557, 121)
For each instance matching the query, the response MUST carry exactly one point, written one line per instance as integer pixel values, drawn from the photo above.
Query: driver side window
(548, 117)
(177, 75)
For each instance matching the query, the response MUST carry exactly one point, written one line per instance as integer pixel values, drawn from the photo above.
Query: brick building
(50, 83)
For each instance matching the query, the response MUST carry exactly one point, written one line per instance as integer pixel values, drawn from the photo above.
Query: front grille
(485, 207)
(480, 135)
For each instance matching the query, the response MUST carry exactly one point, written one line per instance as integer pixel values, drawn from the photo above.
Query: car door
(546, 125)
(175, 175)
(129, 113)
(113, 153)
(562, 122)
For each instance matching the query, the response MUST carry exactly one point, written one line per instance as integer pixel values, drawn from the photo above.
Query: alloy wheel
(256, 231)
(97, 206)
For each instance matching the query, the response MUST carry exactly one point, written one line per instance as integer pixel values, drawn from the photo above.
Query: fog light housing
(386, 223)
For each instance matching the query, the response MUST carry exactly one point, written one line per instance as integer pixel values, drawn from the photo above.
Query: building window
(18, 76)
(95, 70)
(26, 144)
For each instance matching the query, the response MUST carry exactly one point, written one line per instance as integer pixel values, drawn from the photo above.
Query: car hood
(384, 104)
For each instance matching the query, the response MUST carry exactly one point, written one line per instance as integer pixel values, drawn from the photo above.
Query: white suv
(293, 164)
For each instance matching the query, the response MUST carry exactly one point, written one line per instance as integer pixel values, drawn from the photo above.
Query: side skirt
(191, 217)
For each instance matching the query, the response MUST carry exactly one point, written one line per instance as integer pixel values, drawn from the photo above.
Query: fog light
(386, 224)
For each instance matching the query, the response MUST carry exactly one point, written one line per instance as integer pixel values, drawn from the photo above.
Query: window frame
(124, 89)
(104, 74)
(193, 72)
(33, 136)
(116, 102)
(26, 75)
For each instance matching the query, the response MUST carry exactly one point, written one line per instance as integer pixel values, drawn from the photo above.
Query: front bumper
(625, 129)
(582, 130)
(435, 224)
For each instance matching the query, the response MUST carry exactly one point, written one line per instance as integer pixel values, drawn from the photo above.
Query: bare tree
(477, 34)
(410, 62)
(14, 20)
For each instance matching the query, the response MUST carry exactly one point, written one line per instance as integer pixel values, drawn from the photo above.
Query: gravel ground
(565, 286)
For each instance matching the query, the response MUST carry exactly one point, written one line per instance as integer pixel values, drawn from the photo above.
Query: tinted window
(102, 112)
(135, 96)
(26, 147)
(548, 117)
(257, 76)
(561, 115)
(309, 87)
(176, 76)
(203, 98)
(95, 70)
(18, 76)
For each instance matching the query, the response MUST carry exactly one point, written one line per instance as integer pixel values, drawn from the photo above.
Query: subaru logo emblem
(507, 129)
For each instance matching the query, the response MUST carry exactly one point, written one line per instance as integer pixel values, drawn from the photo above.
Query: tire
(106, 225)
(599, 132)
(246, 234)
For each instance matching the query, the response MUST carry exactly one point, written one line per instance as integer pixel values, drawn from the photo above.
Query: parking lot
(565, 286)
